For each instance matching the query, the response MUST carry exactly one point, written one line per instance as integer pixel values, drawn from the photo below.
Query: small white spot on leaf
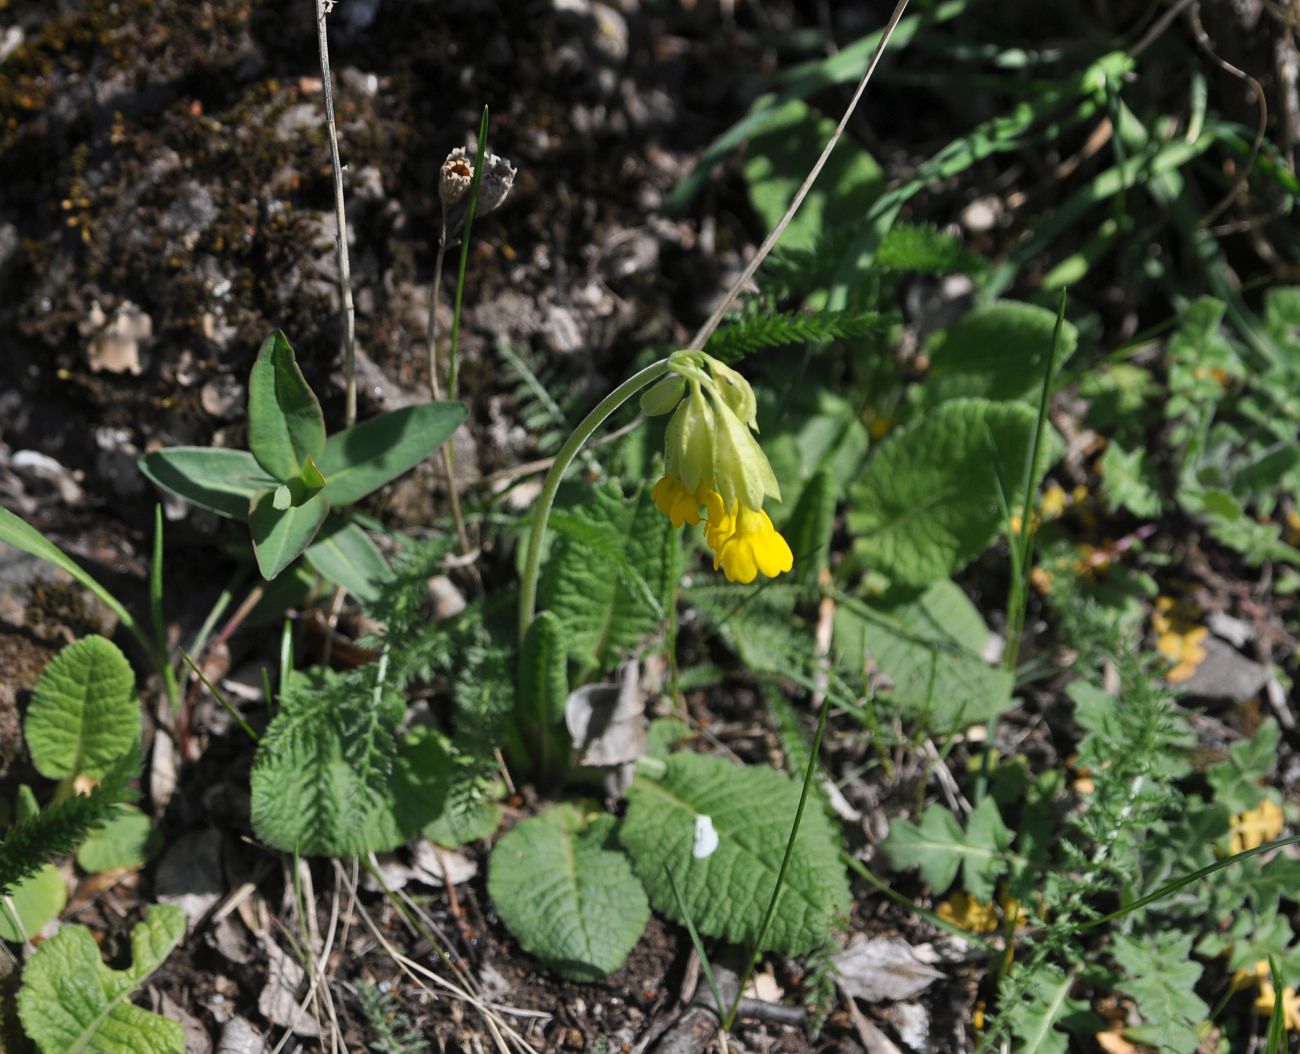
(706, 838)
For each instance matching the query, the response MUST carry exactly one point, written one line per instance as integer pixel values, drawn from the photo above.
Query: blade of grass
(697, 944)
(220, 697)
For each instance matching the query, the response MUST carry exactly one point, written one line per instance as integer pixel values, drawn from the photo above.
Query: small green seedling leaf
(127, 841)
(35, 900)
(569, 899)
(721, 830)
(311, 475)
(928, 501)
(84, 713)
(364, 457)
(343, 553)
(281, 534)
(219, 480)
(285, 423)
(939, 848)
(70, 1002)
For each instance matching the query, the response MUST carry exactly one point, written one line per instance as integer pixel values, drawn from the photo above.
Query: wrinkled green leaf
(127, 841)
(727, 892)
(84, 713)
(72, 1003)
(568, 898)
(928, 501)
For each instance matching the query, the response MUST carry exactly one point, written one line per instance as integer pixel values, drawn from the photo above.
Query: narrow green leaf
(364, 457)
(219, 480)
(568, 899)
(84, 713)
(344, 554)
(285, 423)
(71, 1003)
(281, 535)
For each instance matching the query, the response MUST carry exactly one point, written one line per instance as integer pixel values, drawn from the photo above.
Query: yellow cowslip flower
(712, 460)
(752, 545)
(1256, 826)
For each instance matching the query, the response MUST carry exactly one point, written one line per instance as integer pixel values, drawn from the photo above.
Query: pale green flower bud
(690, 440)
(662, 397)
(735, 390)
(740, 467)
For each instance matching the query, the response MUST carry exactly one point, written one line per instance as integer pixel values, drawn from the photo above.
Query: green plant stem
(809, 774)
(453, 355)
(572, 445)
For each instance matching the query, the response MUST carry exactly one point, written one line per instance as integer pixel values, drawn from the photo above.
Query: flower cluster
(714, 464)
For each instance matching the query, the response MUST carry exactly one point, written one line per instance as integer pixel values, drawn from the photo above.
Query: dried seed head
(498, 178)
(455, 179)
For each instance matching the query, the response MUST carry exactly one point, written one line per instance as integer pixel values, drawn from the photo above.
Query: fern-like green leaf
(926, 250)
(761, 328)
(65, 824)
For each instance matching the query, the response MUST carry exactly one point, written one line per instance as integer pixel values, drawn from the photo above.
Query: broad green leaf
(71, 1003)
(1161, 978)
(759, 623)
(777, 160)
(219, 480)
(609, 572)
(285, 423)
(36, 900)
(570, 900)
(928, 501)
(939, 847)
(84, 713)
(366, 456)
(751, 809)
(281, 535)
(343, 553)
(996, 351)
(331, 778)
(930, 650)
(22, 535)
(127, 841)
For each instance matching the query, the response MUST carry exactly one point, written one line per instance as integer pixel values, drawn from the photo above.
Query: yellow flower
(1290, 1004)
(1178, 638)
(1256, 826)
(745, 543)
(974, 916)
(1054, 502)
(677, 503)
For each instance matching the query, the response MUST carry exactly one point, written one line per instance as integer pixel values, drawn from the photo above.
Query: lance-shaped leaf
(344, 553)
(366, 456)
(281, 535)
(213, 478)
(285, 423)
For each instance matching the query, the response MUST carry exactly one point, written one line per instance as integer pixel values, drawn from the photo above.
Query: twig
(706, 330)
(341, 219)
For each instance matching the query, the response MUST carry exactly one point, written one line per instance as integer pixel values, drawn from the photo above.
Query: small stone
(222, 397)
(118, 345)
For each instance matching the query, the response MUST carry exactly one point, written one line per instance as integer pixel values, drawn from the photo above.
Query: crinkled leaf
(128, 840)
(929, 649)
(71, 1002)
(996, 351)
(928, 501)
(568, 898)
(939, 848)
(343, 553)
(609, 572)
(364, 457)
(285, 423)
(281, 535)
(330, 776)
(213, 478)
(84, 713)
(1238, 780)
(36, 900)
(727, 892)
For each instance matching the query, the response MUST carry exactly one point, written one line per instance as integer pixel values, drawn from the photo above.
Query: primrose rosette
(715, 472)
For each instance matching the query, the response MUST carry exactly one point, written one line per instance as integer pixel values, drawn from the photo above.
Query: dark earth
(167, 200)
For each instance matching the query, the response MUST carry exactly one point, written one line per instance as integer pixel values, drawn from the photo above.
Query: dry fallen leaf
(882, 970)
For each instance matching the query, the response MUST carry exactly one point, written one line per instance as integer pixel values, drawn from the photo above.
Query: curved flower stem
(532, 563)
